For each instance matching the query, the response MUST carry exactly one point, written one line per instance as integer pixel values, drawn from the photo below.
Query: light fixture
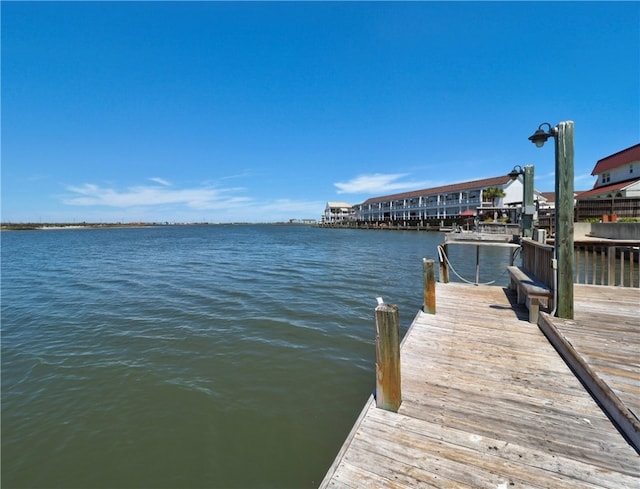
(563, 255)
(540, 136)
(517, 171)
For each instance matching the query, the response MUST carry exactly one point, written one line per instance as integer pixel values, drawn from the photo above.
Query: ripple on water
(203, 356)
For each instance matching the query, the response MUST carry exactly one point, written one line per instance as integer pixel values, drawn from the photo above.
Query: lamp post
(528, 209)
(563, 243)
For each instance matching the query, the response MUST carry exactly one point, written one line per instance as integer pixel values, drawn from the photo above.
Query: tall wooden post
(429, 286)
(388, 391)
(564, 218)
(444, 266)
(527, 202)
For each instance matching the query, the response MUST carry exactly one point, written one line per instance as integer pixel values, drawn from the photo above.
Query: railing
(596, 208)
(595, 262)
(598, 264)
(537, 258)
(498, 228)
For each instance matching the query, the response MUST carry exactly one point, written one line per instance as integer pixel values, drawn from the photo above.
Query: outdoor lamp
(540, 136)
(563, 261)
(517, 170)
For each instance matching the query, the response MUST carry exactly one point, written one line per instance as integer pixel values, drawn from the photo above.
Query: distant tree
(492, 194)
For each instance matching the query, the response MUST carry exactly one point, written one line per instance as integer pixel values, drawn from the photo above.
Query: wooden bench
(530, 291)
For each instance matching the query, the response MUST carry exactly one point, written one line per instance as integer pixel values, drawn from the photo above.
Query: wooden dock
(602, 347)
(487, 401)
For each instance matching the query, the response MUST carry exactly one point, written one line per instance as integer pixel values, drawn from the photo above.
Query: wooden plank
(602, 346)
(605, 395)
(474, 461)
(487, 402)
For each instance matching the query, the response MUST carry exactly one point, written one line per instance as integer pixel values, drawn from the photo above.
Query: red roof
(475, 184)
(549, 196)
(620, 158)
(607, 188)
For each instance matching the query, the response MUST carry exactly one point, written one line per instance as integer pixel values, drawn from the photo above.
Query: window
(631, 168)
(606, 177)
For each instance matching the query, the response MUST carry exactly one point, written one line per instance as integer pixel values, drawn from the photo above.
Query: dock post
(444, 266)
(527, 202)
(564, 211)
(429, 279)
(388, 392)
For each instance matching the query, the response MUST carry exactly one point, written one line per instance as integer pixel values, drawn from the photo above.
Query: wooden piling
(444, 266)
(429, 280)
(388, 391)
(564, 210)
(528, 202)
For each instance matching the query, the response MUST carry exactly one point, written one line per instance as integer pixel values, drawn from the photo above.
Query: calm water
(204, 356)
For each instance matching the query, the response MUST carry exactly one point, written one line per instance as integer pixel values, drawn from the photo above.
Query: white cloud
(163, 202)
(304, 208)
(161, 181)
(143, 195)
(585, 177)
(379, 183)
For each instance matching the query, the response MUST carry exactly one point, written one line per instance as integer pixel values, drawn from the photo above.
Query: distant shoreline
(29, 226)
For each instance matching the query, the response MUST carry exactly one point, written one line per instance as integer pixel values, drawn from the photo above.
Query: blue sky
(262, 112)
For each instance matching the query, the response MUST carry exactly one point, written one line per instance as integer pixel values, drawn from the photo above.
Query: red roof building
(459, 199)
(621, 158)
(618, 175)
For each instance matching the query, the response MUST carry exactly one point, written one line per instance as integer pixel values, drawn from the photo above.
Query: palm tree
(492, 194)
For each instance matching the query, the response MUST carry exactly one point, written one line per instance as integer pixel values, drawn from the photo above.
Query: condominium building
(460, 199)
(336, 213)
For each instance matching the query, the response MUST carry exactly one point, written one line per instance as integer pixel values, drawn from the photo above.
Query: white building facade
(337, 213)
(617, 176)
(467, 198)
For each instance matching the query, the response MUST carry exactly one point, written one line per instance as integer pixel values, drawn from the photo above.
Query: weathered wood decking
(488, 402)
(602, 346)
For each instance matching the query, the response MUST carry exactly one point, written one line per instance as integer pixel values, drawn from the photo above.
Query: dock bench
(530, 291)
